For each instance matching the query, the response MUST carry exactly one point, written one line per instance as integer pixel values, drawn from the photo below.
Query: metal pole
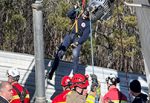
(137, 5)
(39, 52)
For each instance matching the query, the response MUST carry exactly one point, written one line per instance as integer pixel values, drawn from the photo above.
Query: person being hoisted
(79, 33)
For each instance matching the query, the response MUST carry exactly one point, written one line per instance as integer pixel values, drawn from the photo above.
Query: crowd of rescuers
(75, 90)
(11, 91)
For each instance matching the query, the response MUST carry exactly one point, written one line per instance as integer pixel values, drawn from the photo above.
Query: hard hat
(13, 72)
(66, 81)
(112, 79)
(80, 80)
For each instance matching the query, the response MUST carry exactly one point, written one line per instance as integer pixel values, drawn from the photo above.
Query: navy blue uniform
(80, 37)
(141, 98)
(83, 26)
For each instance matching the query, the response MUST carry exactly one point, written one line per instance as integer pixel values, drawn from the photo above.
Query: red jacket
(61, 98)
(114, 95)
(16, 98)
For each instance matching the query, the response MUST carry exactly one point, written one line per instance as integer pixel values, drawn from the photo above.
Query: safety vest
(16, 98)
(90, 98)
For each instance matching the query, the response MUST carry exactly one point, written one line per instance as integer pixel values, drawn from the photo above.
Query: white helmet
(112, 79)
(13, 72)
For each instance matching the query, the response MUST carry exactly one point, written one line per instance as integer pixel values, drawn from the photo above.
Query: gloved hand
(94, 79)
(74, 45)
(95, 87)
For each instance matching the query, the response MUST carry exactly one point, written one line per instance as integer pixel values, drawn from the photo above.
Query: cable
(91, 44)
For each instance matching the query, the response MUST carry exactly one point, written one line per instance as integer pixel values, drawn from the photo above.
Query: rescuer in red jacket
(20, 94)
(79, 90)
(65, 83)
(113, 95)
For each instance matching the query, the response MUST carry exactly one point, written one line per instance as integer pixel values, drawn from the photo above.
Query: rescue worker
(135, 88)
(65, 83)
(79, 89)
(20, 94)
(94, 94)
(113, 95)
(78, 34)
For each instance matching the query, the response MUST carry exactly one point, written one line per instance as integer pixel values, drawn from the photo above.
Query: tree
(115, 41)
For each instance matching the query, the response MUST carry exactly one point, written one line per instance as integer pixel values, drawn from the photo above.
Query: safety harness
(22, 94)
(78, 14)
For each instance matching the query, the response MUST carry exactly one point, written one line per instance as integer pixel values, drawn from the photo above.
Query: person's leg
(59, 54)
(64, 45)
(76, 54)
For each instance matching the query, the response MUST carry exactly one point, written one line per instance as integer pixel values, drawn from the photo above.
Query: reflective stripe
(117, 101)
(90, 99)
(17, 97)
(69, 93)
(27, 96)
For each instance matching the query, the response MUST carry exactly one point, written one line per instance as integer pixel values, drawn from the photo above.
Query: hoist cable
(91, 41)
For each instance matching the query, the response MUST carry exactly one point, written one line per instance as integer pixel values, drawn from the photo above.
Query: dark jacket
(141, 98)
(83, 26)
(3, 100)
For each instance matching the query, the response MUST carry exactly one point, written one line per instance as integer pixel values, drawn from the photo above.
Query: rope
(83, 4)
(91, 38)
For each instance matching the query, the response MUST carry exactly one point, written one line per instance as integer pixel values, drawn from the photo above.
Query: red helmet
(80, 80)
(65, 81)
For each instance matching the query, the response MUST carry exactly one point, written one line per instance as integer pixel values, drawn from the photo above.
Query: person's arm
(72, 13)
